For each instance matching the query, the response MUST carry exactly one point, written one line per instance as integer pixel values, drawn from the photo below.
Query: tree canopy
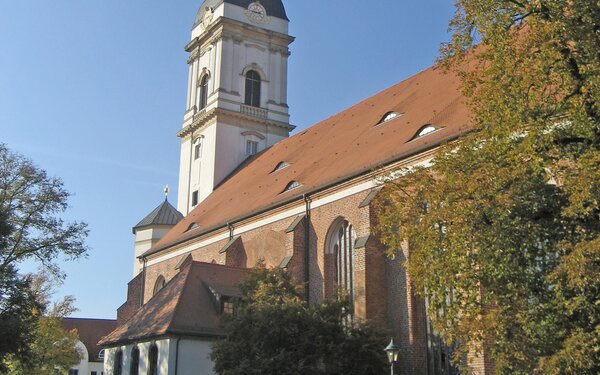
(503, 230)
(31, 203)
(274, 332)
(51, 348)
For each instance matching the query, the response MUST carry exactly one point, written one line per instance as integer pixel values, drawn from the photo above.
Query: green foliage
(19, 314)
(52, 348)
(275, 332)
(30, 229)
(504, 229)
(31, 201)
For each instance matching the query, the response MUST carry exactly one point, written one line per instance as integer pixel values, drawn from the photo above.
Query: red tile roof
(90, 331)
(345, 145)
(184, 306)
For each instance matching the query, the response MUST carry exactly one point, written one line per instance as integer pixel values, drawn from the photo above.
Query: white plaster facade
(176, 356)
(85, 366)
(144, 239)
(224, 48)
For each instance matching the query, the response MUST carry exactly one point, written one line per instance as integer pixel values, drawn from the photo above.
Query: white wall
(144, 240)
(226, 58)
(192, 357)
(83, 366)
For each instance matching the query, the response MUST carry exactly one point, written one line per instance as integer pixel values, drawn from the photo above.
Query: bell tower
(237, 92)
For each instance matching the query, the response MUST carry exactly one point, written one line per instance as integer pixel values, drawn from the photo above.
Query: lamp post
(392, 352)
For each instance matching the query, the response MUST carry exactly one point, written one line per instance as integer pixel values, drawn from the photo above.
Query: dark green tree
(275, 332)
(503, 231)
(30, 229)
(52, 348)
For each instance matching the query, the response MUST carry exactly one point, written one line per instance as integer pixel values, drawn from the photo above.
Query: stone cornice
(203, 119)
(237, 30)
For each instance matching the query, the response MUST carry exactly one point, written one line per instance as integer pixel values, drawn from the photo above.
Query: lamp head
(392, 352)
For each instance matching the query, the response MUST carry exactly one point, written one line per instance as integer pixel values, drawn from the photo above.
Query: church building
(249, 192)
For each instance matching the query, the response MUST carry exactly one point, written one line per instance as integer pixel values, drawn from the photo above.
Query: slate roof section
(369, 198)
(229, 244)
(295, 223)
(274, 8)
(90, 331)
(164, 214)
(361, 242)
(286, 261)
(338, 149)
(183, 307)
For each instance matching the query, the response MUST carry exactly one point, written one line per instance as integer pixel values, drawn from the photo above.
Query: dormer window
(425, 130)
(227, 306)
(389, 116)
(192, 226)
(291, 186)
(224, 304)
(280, 166)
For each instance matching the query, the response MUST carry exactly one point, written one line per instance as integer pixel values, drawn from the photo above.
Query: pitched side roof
(350, 143)
(90, 331)
(164, 214)
(183, 306)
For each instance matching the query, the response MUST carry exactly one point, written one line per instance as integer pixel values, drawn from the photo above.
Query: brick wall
(383, 292)
(133, 303)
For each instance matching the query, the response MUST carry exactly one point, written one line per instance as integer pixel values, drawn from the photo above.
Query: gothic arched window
(135, 361)
(153, 360)
(340, 258)
(203, 92)
(252, 88)
(158, 285)
(118, 366)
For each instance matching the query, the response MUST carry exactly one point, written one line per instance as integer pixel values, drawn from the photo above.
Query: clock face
(256, 13)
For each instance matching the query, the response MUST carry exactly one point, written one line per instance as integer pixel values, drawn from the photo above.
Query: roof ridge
(180, 295)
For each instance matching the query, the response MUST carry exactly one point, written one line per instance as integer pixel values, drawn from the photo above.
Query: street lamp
(392, 352)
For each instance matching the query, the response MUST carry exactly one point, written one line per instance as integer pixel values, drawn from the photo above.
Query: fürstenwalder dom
(250, 191)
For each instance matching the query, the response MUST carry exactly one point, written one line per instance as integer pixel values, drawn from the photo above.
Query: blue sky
(94, 91)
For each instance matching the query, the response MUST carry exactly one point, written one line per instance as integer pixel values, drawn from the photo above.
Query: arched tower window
(252, 89)
(158, 285)
(118, 362)
(153, 360)
(203, 92)
(135, 361)
(197, 148)
(339, 258)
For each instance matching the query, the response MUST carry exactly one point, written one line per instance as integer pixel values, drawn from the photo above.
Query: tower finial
(166, 191)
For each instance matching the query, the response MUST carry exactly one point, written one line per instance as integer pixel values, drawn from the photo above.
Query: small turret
(152, 228)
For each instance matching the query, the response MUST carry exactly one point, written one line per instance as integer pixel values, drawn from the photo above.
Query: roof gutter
(363, 171)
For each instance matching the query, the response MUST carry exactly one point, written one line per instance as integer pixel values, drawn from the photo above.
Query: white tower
(237, 91)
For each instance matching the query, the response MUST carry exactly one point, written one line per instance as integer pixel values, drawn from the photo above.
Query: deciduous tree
(31, 203)
(52, 349)
(503, 230)
(275, 332)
